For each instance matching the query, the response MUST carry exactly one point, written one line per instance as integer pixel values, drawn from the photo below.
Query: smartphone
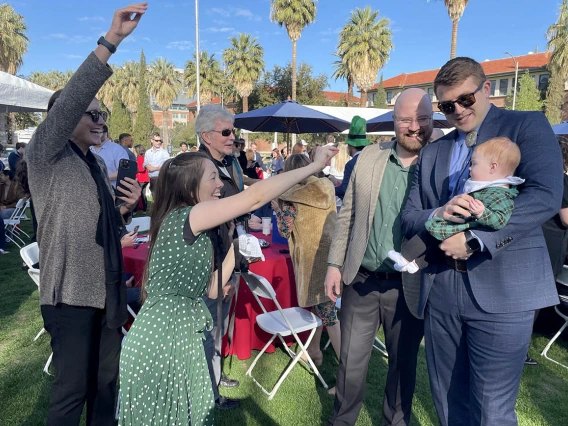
(126, 168)
(135, 230)
(284, 251)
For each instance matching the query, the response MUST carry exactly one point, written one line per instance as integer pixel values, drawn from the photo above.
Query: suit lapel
(490, 126)
(378, 162)
(442, 165)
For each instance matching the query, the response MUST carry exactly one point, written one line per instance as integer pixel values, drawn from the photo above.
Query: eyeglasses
(158, 140)
(96, 114)
(467, 100)
(404, 123)
(224, 132)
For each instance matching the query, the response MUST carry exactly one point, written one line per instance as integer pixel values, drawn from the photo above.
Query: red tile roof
(497, 66)
(336, 96)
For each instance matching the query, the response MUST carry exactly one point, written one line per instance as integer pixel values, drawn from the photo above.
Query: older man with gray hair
(368, 227)
(214, 128)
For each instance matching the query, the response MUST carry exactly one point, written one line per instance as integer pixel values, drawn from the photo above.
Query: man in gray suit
(479, 295)
(368, 227)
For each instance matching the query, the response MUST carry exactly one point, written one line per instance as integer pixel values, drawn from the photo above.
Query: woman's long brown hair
(177, 186)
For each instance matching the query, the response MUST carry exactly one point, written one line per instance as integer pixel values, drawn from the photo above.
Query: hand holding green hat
(358, 132)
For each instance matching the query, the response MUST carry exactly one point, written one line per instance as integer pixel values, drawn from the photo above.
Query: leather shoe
(227, 382)
(530, 361)
(224, 403)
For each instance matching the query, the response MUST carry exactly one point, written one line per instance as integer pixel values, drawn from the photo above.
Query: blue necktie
(470, 141)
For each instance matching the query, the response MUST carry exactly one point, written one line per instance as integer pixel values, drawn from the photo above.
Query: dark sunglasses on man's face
(158, 140)
(96, 114)
(465, 101)
(224, 132)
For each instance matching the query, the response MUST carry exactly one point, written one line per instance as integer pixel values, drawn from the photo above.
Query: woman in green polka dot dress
(164, 379)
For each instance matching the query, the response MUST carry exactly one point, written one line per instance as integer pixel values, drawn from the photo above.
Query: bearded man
(368, 226)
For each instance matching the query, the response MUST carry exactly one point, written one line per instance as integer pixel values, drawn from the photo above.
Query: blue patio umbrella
(385, 122)
(289, 117)
(561, 129)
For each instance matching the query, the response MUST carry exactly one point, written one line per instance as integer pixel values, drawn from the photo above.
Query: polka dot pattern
(164, 378)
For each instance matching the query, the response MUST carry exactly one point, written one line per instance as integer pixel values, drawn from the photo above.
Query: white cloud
(219, 11)
(147, 39)
(247, 14)
(219, 30)
(180, 45)
(130, 39)
(56, 36)
(92, 18)
(79, 39)
(70, 56)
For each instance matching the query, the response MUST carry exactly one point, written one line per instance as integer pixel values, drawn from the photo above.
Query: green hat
(358, 132)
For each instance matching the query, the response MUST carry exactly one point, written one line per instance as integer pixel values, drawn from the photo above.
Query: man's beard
(413, 145)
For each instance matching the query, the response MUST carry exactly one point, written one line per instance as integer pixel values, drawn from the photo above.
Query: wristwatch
(111, 47)
(471, 241)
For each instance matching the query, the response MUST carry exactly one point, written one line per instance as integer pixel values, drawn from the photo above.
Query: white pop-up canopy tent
(19, 95)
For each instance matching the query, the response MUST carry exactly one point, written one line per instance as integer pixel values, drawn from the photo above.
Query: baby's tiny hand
(476, 207)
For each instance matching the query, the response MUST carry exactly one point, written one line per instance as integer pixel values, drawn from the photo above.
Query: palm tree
(53, 79)
(106, 93)
(295, 15)
(455, 10)
(210, 77)
(245, 64)
(127, 84)
(557, 35)
(13, 40)
(364, 45)
(340, 70)
(164, 85)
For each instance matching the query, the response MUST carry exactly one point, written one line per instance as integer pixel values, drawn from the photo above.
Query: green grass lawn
(301, 400)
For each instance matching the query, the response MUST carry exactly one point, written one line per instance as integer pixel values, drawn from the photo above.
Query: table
(276, 268)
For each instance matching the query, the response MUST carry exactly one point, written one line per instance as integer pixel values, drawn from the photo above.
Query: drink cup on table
(266, 225)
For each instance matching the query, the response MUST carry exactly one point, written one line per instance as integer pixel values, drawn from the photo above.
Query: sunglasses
(225, 132)
(158, 140)
(465, 101)
(96, 114)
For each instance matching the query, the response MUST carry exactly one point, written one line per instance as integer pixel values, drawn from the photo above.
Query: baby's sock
(399, 261)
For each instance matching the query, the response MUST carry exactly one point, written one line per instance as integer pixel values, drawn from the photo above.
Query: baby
(492, 188)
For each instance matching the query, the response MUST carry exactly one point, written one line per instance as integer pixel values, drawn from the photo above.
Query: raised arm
(52, 134)
(209, 214)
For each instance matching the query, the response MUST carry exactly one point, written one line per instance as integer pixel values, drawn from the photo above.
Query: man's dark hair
(155, 134)
(53, 98)
(20, 145)
(458, 70)
(183, 143)
(105, 128)
(123, 135)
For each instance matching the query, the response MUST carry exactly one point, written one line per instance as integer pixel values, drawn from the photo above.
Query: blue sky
(63, 32)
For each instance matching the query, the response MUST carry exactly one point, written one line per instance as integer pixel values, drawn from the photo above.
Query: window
(431, 93)
(543, 83)
(493, 84)
(503, 86)
(389, 97)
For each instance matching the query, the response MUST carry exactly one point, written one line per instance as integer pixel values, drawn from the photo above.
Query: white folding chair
(12, 225)
(125, 333)
(379, 345)
(30, 256)
(280, 323)
(143, 224)
(561, 310)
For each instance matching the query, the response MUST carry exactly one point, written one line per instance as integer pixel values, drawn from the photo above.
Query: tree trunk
(454, 39)
(349, 92)
(3, 132)
(293, 70)
(245, 103)
(165, 132)
(363, 99)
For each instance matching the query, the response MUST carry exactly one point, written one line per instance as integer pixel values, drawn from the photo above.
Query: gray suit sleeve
(51, 136)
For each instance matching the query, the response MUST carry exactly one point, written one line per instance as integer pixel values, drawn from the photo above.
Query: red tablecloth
(276, 268)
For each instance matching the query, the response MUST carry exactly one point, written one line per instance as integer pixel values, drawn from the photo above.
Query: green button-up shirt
(386, 232)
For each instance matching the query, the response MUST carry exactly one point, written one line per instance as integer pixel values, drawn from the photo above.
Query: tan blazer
(356, 215)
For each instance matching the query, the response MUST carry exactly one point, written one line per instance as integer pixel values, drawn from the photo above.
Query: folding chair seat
(281, 323)
(561, 310)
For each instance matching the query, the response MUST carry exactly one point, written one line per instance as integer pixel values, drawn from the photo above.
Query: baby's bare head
(495, 159)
